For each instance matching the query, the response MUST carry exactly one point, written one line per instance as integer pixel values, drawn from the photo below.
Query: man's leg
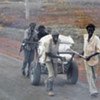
(92, 86)
(30, 59)
(50, 80)
(25, 62)
(55, 69)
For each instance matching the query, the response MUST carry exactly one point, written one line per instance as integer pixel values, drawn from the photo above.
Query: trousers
(52, 73)
(28, 58)
(52, 69)
(90, 78)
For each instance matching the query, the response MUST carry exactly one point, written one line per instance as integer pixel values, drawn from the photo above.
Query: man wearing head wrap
(51, 58)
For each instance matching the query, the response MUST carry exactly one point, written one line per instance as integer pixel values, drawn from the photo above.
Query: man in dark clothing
(41, 31)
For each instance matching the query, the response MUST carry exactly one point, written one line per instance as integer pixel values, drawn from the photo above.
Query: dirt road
(13, 86)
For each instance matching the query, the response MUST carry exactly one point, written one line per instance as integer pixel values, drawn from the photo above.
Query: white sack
(66, 43)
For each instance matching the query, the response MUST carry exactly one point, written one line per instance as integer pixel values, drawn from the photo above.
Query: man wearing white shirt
(91, 50)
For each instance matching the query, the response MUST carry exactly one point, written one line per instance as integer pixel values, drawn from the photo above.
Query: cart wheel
(72, 72)
(35, 74)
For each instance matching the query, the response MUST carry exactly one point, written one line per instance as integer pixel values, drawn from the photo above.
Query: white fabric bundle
(66, 43)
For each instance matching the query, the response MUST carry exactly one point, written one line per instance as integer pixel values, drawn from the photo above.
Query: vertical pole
(27, 9)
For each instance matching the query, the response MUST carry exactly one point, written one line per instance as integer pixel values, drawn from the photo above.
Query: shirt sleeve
(98, 45)
(26, 34)
(36, 35)
(47, 46)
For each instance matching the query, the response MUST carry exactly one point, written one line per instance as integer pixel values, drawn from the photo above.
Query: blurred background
(77, 13)
(71, 16)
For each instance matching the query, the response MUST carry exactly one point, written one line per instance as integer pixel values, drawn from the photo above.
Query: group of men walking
(90, 52)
